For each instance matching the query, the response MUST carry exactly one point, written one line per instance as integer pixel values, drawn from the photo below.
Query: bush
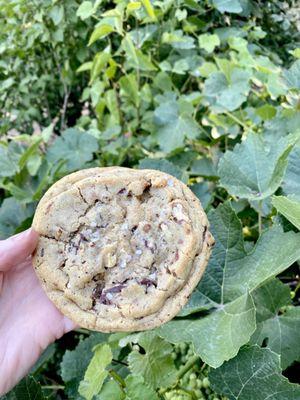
(208, 91)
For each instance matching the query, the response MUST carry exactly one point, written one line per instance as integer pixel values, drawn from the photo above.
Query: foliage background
(208, 91)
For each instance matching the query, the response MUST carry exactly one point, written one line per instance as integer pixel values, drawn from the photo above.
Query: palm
(29, 322)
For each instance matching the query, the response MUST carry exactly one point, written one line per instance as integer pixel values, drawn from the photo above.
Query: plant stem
(117, 378)
(238, 121)
(259, 217)
(182, 371)
(53, 387)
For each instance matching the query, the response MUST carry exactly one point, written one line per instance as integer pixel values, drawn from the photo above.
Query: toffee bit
(147, 228)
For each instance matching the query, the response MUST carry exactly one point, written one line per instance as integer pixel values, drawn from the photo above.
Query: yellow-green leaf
(150, 10)
(100, 32)
(96, 372)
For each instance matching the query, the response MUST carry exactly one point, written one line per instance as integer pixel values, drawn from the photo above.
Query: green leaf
(174, 122)
(208, 42)
(155, 364)
(29, 152)
(96, 372)
(74, 147)
(255, 168)
(230, 275)
(254, 374)
(164, 166)
(9, 159)
(201, 190)
(266, 112)
(44, 358)
(227, 94)
(27, 389)
(87, 66)
(288, 207)
(111, 390)
(99, 63)
(223, 332)
(231, 6)
(269, 298)
(100, 32)
(292, 76)
(291, 181)
(130, 88)
(227, 275)
(12, 214)
(85, 10)
(137, 389)
(75, 363)
(204, 167)
(57, 14)
(282, 333)
(135, 57)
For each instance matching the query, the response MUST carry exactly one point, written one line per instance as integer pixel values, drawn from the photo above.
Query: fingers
(17, 248)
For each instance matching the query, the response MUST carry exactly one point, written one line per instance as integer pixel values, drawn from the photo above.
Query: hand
(29, 322)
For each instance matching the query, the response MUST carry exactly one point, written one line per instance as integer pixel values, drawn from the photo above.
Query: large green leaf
(74, 147)
(255, 167)
(288, 207)
(254, 374)
(217, 337)
(96, 372)
(282, 333)
(75, 363)
(230, 275)
(227, 93)
(27, 389)
(155, 363)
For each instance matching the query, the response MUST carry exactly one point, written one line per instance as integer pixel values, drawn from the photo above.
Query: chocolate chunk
(115, 289)
(148, 282)
(122, 191)
(134, 228)
(97, 291)
(42, 252)
(204, 233)
(106, 296)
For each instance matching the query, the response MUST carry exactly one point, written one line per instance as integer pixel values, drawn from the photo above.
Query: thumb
(17, 248)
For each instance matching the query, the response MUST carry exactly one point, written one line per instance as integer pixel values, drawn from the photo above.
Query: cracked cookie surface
(120, 249)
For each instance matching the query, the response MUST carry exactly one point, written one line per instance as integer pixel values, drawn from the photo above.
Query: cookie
(120, 249)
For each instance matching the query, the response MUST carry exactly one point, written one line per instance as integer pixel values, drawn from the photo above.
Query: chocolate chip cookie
(120, 249)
